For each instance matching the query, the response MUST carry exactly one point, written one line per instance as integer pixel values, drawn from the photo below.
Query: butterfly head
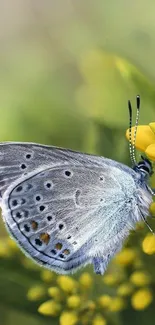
(144, 167)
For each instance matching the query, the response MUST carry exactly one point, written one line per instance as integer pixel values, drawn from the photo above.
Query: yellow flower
(150, 151)
(66, 283)
(148, 244)
(125, 289)
(152, 126)
(49, 308)
(54, 292)
(68, 318)
(47, 275)
(111, 279)
(145, 139)
(99, 320)
(74, 301)
(144, 136)
(141, 299)
(86, 280)
(35, 293)
(104, 301)
(125, 257)
(117, 304)
(140, 278)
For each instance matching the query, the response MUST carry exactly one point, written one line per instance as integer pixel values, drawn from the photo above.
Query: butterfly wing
(17, 159)
(60, 214)
(62, 206)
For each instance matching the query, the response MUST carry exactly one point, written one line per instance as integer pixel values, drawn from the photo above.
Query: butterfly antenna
(136, 125)
(133, 160)
(132, 145)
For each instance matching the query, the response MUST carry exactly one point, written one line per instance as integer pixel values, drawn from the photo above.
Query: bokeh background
(67, 69)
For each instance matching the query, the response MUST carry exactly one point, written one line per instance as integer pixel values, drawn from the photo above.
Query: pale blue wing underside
(65, 209)
(17, 159)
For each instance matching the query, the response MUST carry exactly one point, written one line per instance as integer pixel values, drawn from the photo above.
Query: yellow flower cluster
(140, 278)
(126, 257)
(86, 280)
(71, 300)
(99, 320)
(148, 244)
(50, 308)
(145, 139)
(141, 299)
(66, 283)
(36, 293)
(65, 302)
(68, 318)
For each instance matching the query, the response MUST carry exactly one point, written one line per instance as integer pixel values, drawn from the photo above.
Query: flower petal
(141, 299)
(152, 126)
(150, 151)
(144, 136)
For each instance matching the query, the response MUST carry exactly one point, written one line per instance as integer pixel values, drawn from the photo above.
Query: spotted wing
(17, 159)
(57, 213)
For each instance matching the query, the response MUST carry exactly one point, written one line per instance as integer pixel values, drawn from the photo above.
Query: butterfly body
(66, 209)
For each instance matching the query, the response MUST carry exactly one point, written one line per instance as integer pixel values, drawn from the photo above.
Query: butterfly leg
(100, 265)
(153, 191)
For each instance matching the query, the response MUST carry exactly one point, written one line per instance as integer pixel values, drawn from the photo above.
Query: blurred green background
(67, 69)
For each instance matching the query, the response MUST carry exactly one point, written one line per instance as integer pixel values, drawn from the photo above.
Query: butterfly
(67, 209)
